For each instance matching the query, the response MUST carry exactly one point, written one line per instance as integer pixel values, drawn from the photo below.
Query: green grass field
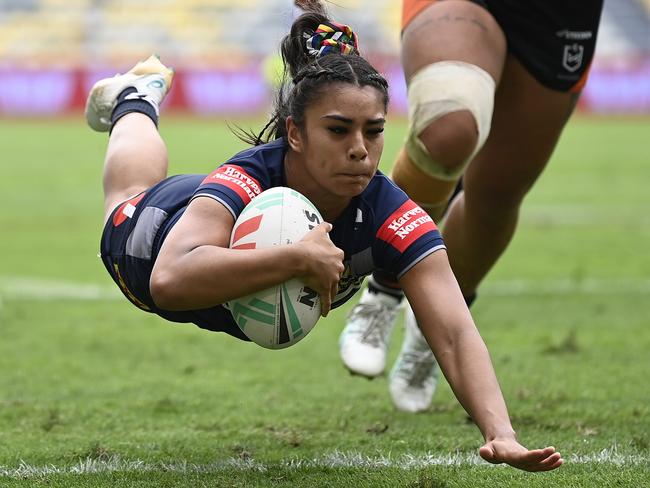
(94, 392)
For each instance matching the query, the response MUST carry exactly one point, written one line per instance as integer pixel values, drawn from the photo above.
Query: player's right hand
(509, 451)
(323, 265)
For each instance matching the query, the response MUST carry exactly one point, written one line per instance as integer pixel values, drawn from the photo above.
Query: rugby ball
(282, 315)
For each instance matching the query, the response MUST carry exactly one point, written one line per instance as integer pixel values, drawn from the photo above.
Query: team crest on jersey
(235, 178)
(406, 225)
(572, 59)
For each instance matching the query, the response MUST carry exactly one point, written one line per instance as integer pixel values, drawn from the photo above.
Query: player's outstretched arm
(446, 323)
(196, 269)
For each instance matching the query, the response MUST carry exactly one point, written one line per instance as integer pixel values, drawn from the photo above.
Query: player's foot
(364, 341)
(414, 376)
(151, 80)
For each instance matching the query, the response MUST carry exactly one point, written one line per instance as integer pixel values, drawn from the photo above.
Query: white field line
(28, 288)
(335, 459)
(586, 215)
(589, 286)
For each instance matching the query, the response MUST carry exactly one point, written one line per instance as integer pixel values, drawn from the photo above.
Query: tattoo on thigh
(460, 19)
(447, 19)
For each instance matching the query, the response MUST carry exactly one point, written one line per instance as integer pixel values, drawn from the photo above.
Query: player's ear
(294, 135)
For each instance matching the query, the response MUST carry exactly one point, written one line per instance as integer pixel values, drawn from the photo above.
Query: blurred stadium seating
(70, 32)
(79, 40)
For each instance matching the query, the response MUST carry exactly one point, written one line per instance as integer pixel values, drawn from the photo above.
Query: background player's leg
(458, 31)
(528, 120)
(452, 30)
(136, 159)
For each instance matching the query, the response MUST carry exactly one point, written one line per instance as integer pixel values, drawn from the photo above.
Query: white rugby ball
(282, 315)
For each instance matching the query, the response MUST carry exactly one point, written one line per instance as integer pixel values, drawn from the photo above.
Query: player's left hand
(509, 451)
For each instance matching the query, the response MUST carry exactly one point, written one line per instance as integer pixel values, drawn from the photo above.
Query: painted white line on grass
(30, 288)
(584, 215)
(332, 460)
(589, 286)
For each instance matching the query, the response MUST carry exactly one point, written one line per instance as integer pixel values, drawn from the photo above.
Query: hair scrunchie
(332, 37)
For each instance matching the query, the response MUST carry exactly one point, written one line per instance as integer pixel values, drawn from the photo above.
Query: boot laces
(375, 321)
(417, 367)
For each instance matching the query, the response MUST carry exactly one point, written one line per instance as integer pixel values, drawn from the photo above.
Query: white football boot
(414, 376)
(364, 341)
(151, 79)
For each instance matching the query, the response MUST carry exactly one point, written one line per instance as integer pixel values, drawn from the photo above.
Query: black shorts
(554, 39)
(132, 238)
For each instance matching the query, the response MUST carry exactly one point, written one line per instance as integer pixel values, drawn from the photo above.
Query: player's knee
(450, 140)
(450, 112)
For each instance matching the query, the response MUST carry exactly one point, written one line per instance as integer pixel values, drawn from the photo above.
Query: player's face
(342, 138)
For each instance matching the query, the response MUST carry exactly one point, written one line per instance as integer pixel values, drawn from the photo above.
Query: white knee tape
(442, 88)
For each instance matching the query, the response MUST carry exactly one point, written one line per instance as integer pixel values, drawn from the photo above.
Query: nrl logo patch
(572, 59)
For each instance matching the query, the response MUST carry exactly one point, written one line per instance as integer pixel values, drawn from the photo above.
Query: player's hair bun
(332, 37)
(311, 6)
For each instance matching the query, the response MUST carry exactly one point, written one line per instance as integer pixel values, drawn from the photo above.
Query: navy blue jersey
(380, 229)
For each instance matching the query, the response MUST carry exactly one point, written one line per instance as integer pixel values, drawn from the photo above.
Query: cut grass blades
(96, 393)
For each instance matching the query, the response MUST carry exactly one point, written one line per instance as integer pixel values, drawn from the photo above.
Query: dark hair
(307, 77)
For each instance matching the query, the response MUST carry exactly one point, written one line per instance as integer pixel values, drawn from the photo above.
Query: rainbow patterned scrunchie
(332, 37)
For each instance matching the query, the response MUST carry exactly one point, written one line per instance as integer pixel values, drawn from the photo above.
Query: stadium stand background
(51, 51)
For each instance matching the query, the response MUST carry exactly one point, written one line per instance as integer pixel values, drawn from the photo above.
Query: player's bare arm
(446, 323)
(195, 267)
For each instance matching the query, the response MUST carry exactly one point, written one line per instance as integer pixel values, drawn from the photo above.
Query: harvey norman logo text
(235, 178)
(405, 226)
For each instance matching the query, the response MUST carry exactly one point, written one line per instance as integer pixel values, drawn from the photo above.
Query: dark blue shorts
(132, 238)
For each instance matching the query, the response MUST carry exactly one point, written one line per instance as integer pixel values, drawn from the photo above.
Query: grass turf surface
(94, 392)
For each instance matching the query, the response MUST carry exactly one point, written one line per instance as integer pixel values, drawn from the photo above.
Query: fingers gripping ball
(282, 315)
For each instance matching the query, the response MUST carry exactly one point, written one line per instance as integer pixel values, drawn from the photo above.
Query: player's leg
(452, 53)
(127, 105)
(136, 159)
(527, 123)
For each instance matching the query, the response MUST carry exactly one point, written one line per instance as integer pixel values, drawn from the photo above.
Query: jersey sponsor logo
(235, 178)
(406, 225)
(574, 35)
(126, 210)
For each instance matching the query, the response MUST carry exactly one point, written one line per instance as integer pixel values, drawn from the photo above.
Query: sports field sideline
(95, 393)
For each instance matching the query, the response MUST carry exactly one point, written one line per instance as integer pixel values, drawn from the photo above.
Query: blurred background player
(491, 85)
